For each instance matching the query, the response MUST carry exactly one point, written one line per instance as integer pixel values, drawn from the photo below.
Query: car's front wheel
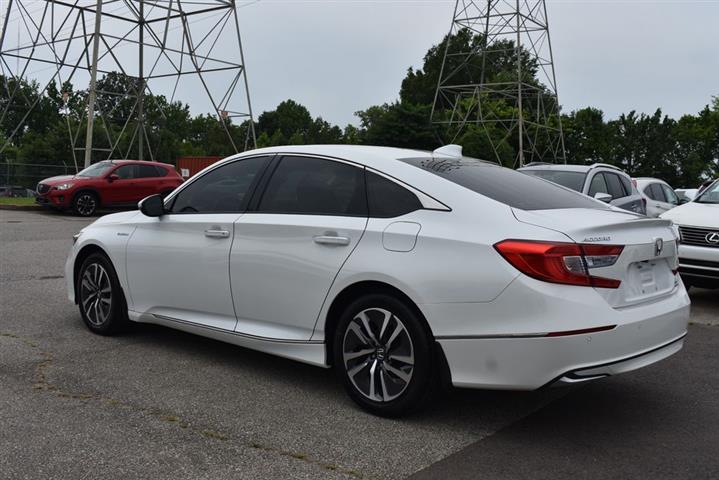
(100, 297)
(85, 204)
(382, 353)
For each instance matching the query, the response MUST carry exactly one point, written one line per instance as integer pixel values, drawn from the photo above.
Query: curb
(21, 207)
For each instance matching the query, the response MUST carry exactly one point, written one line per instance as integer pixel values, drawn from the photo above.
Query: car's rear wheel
(85, 204)
(382, 353)
(100, 297)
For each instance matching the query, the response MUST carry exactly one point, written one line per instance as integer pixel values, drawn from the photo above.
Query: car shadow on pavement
(659, 422)
(450, 405)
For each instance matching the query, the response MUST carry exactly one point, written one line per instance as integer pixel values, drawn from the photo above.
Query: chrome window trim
(428, 202)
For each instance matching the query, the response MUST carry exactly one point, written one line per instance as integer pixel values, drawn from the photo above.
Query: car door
(122, 189)
(292, 243)
(671, 198)
(177, 264)
(657, 203)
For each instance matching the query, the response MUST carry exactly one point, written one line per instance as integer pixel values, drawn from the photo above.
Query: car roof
(649, 179)
(560, 166)
(370, 156)
(141, 162)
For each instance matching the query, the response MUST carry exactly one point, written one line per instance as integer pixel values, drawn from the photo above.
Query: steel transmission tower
(502, 79)
(183, 50)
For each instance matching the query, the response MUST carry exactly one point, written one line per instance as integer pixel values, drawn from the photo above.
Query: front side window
(598, 185)
(616, 190)
(657, 192)
(125, 172)
(314, 186)
(670, 195)
(387, 199)
(504, 185)
(225, 189)
(573, 180)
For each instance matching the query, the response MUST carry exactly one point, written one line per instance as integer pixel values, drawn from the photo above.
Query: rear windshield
(573, 180)
(505, 185)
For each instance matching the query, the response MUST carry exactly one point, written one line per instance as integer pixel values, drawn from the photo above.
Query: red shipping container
(189, 166)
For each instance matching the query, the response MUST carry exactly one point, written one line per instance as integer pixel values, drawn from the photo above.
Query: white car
(686, 194)
(657, 194)
(698, 223)
(397, 267)
(600, 181)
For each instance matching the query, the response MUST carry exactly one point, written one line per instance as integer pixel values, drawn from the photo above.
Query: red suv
(115, 183)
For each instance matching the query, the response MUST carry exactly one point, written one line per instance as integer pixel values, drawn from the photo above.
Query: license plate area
(647, 279)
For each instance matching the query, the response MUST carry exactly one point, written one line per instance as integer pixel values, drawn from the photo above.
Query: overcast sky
(337, 57)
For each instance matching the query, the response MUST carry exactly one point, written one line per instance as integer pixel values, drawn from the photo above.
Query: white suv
(600, 181)
(698, 223)
(657, 194)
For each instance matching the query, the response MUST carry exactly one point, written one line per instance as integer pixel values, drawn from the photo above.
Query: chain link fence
(27, 175)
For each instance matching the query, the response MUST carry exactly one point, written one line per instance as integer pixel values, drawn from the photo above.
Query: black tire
(387, 367)
(85, 204)
(104, 312)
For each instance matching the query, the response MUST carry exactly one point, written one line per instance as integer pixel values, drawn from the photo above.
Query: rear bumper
(621, 366)
(521, 356)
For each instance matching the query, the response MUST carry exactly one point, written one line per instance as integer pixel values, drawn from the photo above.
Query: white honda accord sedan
(399, 268)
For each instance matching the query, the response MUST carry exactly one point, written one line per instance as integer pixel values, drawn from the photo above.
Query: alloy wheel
(378, 354)
(86, 204)
(96, 294)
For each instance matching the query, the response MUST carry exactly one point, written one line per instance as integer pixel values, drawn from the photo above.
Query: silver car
(600, 180)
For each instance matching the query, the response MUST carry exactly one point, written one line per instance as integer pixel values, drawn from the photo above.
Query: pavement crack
(307, 459)
(40, 382)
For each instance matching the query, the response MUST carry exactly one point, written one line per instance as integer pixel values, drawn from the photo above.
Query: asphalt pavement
(157, 403)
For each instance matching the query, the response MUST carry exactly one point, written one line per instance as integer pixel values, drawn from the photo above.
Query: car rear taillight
(558, 262)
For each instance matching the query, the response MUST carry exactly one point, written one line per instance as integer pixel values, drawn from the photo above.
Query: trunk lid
(646, 264)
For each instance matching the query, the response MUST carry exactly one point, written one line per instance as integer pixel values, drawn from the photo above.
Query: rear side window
(627, 184)
(573, 180)
(504, 185)
(388, 199)
(614, 184)
(145, 171)
(314, 186)
(648, 192)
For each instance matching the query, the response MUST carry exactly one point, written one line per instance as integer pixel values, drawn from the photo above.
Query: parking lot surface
(156, 403)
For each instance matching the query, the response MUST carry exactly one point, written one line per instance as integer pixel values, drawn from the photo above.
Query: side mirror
(112, 178)
(603, 197)
(152, 206)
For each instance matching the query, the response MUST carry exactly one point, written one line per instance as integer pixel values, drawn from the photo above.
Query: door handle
(213, 233)
(331, 240)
